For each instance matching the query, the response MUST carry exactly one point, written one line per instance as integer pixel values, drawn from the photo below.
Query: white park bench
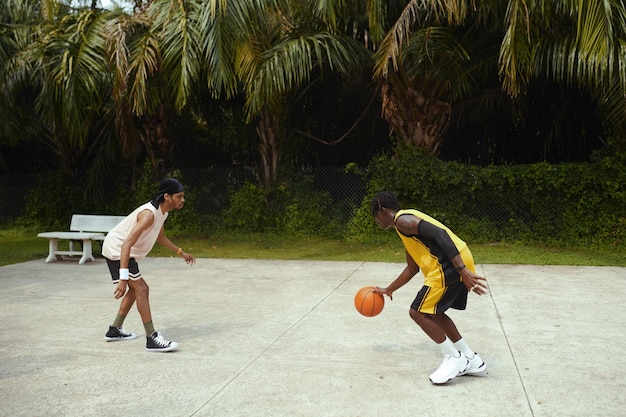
(85, 228)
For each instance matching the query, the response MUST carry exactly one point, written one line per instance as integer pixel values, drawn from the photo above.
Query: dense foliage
(576, 205)
(275, 83)
(112, 100)
(580, 204)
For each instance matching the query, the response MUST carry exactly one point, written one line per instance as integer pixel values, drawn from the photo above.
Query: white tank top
(112, 246)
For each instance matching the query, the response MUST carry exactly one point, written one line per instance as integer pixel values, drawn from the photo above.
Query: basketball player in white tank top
(130, 241)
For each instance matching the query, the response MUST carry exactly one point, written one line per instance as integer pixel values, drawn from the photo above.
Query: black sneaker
(118, 333)
(156, 343)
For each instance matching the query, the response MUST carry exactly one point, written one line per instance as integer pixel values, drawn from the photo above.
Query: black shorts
(434, 300)
(114, 268)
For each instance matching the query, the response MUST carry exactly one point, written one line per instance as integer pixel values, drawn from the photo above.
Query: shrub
(292, 208)
(248, 210)
(580, 204)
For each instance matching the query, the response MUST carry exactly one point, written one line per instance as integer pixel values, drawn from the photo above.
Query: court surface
(282, 338)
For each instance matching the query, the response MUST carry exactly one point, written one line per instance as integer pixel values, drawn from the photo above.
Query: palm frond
(424, 13)
(594, 39)
(90, 78)
(588, 53)
(221, 24)
(288, 65)
(175, 22)
(437, 56)
(612, 109)
(145, 57)
(391, 46)
(515, 58)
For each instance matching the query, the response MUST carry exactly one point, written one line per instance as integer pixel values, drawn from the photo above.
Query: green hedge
(293, 209)
(582, 204)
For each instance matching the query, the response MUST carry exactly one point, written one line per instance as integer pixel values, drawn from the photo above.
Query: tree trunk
(415, 115)
(268, 129)
(160, 149)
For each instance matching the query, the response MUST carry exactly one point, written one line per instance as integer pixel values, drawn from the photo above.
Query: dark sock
(119, 320)
(149, 328)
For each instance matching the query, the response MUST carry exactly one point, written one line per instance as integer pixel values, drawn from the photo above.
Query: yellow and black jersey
(430, 256)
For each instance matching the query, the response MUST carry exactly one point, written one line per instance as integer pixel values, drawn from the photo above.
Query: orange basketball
(369, 303)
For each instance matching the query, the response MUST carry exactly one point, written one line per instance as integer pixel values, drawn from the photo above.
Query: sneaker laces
(159, 340)
(122, 332)
(450, 362)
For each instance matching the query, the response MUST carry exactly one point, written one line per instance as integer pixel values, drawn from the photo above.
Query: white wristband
(124, 274)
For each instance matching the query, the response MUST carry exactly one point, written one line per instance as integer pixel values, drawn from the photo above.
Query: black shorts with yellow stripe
(435, 300)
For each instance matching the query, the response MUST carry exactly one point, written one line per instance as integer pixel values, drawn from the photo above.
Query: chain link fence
(14, 188)
(483, 215)
(209, 189)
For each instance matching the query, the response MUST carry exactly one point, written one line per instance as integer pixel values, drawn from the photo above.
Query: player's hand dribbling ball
(368, 302)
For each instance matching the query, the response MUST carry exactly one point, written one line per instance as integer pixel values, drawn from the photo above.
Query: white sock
(447, 348)
(462, 347)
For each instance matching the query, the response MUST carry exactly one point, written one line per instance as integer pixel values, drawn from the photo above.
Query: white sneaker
(476, 366)
(451, 367)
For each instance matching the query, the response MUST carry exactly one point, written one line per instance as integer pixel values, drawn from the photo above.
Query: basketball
(369, 303)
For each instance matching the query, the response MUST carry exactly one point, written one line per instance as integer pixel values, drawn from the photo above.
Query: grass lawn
(20, 245)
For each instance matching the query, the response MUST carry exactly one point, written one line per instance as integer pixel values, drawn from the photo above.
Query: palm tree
(98, 69)
(571, 42)
(576, 43)
(418, 94)
(20, 22)
(272, 84)
(61, 81)
(265, 49)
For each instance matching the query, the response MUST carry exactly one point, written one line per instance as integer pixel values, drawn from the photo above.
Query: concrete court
(282, 338)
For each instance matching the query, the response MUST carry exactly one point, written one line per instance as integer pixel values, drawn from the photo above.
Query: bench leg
(87, 255)
(53, 247)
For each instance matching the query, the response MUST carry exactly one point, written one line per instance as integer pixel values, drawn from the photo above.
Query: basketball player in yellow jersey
(449, 274)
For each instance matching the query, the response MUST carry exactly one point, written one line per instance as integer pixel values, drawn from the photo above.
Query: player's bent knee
(141, 288)
(417, 316)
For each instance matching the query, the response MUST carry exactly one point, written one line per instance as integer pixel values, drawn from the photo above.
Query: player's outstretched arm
(166, 242)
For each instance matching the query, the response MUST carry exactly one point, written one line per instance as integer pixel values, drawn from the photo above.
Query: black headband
(167, 186)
